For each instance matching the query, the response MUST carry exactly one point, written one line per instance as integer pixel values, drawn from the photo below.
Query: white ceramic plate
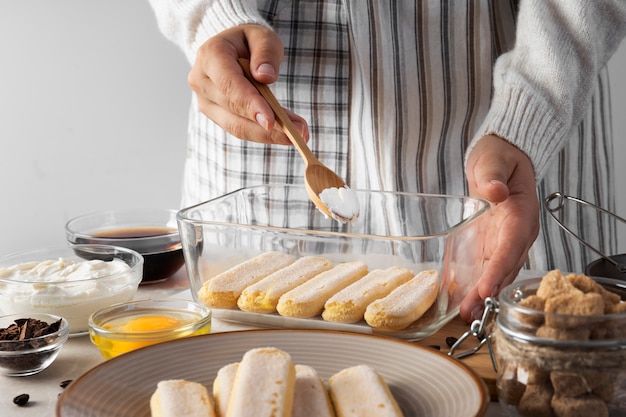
(423, 381)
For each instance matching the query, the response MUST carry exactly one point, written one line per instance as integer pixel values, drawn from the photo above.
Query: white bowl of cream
(69, 281)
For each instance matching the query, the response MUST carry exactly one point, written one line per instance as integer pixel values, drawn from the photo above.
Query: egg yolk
(151, 323)
(111, 346)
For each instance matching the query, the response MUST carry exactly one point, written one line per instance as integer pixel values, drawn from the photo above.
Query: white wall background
(93, 105)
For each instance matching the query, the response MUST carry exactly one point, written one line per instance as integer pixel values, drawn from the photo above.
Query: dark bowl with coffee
(151, 232)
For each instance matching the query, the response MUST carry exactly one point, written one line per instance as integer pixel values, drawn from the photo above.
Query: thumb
(266, 53)
(489, 169)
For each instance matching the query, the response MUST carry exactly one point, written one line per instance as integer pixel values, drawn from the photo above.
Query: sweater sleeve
(542, 87)
(189, 23)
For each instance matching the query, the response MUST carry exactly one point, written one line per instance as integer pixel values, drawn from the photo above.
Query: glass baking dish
(414, 231)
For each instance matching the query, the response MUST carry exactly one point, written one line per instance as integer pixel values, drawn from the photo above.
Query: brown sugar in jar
(560, 343)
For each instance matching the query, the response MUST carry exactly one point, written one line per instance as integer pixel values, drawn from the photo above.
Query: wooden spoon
(317, 176)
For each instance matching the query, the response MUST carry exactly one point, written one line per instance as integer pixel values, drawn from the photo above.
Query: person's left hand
(502, 174)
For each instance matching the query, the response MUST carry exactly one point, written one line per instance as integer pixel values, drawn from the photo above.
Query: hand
(500, 173)
(227, 97)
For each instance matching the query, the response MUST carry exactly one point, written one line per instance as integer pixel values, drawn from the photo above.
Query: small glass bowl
(151, 232)
(121, 328)
(72, 299)
(32, 355)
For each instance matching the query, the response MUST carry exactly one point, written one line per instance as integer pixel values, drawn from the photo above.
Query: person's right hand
(227, 97)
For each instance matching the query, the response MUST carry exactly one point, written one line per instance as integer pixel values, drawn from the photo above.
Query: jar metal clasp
(555, 202)
(478, 329)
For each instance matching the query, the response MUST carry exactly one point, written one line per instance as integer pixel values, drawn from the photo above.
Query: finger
(496, 276)
(471, 307)
(235, 94)
(217, 76)
(205, 88)
(241, 97)
(213, 107)
(241, 127)
(300, 124)
(507, 253)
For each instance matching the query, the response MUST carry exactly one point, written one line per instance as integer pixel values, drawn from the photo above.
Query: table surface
(78, 355)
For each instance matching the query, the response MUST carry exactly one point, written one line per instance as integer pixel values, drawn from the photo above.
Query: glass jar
(559, 364)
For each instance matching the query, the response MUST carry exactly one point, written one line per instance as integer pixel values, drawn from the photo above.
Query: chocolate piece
(29, 329)
(21, 400)
(451, 340)
(64, 384)
(26, 334)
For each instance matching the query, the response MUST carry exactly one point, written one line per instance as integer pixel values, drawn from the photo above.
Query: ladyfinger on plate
(311, 396)
(177, 397)
(349, 304)
(307, 300)
(264, 384)
(361, 391)
(262, 297)
(406, 303)
(223, 386)
(223, 290)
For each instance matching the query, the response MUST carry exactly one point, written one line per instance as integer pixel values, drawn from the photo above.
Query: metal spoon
(317, 176)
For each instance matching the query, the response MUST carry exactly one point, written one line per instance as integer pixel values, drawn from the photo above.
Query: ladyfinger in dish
(223, 386)
(264, 384)
(262, 297)
(359, 391)
(311, 396)
(349, 304)
(406, 303)
(177, 397)
(307, 300)
(223, 290)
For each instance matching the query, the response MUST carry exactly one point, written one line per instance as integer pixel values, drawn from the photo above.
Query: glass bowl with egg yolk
(124, 327)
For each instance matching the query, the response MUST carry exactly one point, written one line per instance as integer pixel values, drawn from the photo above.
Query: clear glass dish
(414, 231)
(152, 232)
(35, 281)
(121, 328)
(29, 356)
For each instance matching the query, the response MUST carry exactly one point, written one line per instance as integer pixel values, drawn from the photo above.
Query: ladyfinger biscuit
(406, 303)
(311, 396)
(307, 300)
(223, 386)
(361, 391)
(348, 305)
(223, 290)
(264, 385)
(262, 297)
(177, 397)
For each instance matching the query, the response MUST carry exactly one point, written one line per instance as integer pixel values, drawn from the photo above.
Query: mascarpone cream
(66, 288)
